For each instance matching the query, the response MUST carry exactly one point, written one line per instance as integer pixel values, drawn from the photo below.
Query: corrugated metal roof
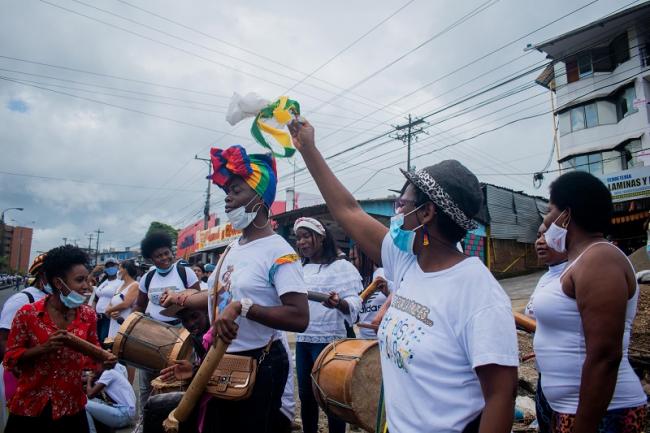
(513, 215)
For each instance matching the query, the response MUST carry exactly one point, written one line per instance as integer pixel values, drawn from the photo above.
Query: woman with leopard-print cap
(448, 342)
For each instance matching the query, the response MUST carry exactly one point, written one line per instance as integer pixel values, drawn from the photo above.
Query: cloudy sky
(105, 103)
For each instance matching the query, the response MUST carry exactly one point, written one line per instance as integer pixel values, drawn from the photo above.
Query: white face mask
(555, 236)
(239, 218)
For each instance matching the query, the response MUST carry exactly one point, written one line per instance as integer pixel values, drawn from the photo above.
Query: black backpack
(180, 268)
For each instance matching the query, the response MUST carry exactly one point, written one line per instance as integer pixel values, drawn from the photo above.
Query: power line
(484, 56)
(114, 77)
(350, 45)
(472, 13)
(183, 50)
(123, 185)
(181, 122)
(269, 59)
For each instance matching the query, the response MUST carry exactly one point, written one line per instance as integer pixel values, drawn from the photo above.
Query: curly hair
(153, 241)
(60, 260)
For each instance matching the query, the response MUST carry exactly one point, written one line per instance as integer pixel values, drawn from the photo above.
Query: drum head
(366, 388)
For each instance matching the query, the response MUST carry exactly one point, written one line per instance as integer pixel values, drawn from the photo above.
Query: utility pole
(406, 136)
(98, 231)
(206, 208)
(90, 242)
(65, 241)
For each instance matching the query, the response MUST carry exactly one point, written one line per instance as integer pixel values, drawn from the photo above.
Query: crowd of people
(444, 326)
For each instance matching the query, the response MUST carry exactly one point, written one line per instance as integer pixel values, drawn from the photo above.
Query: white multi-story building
(600, 74)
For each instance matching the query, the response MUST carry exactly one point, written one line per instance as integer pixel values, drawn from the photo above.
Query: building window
(584, 116)
(584, 65)
(630, 154)
(620, 50)
(591, 115)
(625, 102)
(577, 118)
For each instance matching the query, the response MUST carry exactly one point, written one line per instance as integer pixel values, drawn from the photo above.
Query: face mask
(239, 218)
(48, 289)
(556, 236)
(72, 299)
(403, 239)
(164, 271)
(111, 272)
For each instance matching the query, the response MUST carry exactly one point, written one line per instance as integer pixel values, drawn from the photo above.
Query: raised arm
(364, 229)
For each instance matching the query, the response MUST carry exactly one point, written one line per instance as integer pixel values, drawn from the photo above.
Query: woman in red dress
(50, 396)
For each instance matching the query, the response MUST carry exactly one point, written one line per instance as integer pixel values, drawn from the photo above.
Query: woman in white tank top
(584, 318)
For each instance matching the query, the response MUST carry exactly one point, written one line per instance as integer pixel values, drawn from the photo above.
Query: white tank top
(560, 351)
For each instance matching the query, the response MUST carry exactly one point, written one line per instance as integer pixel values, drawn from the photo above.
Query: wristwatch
(246, 304)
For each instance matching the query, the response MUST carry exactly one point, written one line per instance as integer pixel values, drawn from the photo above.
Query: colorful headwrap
(271, 119)
(258, 171)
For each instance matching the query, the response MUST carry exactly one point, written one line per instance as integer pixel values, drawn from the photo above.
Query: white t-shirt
(105, 292)
(262, 270)
(551, 275)
(160, 284)
(118, 388)
(118, 298)
(439, 327)
(327, 324)
(15, 302)
(203, 285)
(372, 306)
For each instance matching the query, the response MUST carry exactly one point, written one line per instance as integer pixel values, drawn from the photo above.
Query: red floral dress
(55, 376)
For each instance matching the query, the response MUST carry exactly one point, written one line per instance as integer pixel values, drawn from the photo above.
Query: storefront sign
(216, 237)
(629, 184)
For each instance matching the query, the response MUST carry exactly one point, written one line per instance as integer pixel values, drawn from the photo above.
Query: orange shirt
(56, 375)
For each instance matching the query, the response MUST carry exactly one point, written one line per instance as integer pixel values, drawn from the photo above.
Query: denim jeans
(306, 354)
(114, 416)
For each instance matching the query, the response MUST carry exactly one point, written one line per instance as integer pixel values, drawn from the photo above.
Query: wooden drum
(346, 380)
(146, 343)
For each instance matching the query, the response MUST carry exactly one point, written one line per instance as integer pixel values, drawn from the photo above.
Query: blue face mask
(48, 289)
(111, 272)
(164, 271)
(72, 299)
(403, 239)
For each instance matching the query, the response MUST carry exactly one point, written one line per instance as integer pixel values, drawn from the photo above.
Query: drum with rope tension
(146, 343)
(346, 380)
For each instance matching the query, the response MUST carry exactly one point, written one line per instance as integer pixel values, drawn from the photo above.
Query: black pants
(77, 423)
(257, 414)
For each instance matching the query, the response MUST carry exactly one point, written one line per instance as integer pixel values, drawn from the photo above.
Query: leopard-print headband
(439, 196)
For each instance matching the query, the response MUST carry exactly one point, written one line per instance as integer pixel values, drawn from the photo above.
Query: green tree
(158, 226)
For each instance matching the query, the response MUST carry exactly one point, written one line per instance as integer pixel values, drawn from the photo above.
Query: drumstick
(317, 296)
(87, 348)
(372, 288)
(195, 390)
(524, 322)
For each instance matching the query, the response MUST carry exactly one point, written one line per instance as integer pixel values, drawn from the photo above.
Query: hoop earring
(268, 215)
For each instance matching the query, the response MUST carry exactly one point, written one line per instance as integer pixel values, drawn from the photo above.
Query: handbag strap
(217, 284)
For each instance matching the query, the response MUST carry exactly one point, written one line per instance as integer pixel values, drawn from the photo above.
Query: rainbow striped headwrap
(258, 171)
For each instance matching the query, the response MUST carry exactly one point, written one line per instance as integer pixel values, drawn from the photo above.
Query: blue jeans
(306, 354)
(114, 416)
